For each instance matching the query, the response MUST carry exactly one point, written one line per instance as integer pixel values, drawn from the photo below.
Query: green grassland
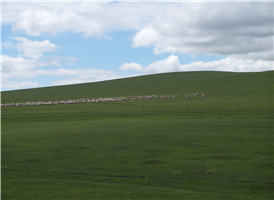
(218, 147)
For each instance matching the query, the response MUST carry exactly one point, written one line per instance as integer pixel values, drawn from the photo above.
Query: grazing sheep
(89, 100)
(202, 95)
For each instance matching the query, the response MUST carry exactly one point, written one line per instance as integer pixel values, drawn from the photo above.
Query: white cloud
(18, 67)
(34, 49)
(131, 66)
(90, 19)
(211, 28)
(219, 28)
(16, 84)
(7, 45)
(28, 65)
(170, 64)
(196, 27)
(231, 63)
(22, 68)
(146, 37)
(263, 55)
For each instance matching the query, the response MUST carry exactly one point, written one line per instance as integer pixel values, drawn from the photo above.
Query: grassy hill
(218, 147)
(260, 86)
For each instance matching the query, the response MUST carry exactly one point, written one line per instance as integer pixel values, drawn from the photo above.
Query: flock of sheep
(202, 95)
(109, 99)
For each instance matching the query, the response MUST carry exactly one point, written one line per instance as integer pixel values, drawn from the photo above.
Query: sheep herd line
(202, 95)
(109, 99)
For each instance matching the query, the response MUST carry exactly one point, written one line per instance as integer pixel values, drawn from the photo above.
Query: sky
(60, 43)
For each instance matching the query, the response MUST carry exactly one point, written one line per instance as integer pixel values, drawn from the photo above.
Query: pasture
(218, 147)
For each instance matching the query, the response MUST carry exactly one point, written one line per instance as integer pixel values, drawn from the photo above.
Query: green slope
(182, 148)
(260, 86)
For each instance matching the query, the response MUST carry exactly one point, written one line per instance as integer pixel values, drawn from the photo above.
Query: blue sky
(48, 44)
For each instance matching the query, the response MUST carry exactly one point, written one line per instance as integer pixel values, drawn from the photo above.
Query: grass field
(218, 147)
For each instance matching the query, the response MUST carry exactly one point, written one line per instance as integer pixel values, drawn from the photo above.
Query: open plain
(216, 147)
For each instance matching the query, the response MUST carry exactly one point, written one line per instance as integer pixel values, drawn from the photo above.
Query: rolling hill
(217, 147)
